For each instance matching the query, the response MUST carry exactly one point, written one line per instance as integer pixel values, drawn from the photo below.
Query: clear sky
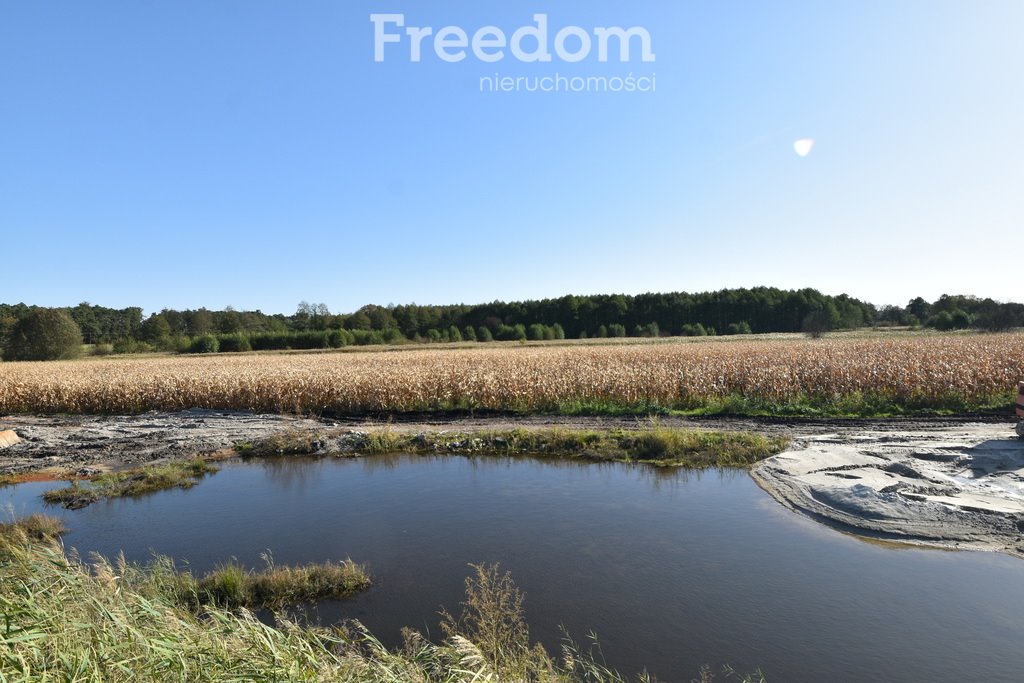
(187, 153)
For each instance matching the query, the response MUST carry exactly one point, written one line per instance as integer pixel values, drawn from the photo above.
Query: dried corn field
(950, 372)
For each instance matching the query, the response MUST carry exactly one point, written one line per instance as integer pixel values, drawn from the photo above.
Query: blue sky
(187, 153)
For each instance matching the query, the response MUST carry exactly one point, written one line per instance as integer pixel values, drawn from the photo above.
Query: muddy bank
(77, 445)
(80, 445)
(955, 486)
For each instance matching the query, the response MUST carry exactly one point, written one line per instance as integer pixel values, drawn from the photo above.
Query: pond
(671, 568)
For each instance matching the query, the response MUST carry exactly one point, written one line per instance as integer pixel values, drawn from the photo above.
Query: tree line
(730, 311)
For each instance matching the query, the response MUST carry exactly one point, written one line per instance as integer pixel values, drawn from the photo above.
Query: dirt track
(956, 483)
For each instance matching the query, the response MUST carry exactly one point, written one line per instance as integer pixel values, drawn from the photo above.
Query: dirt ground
(948, 482)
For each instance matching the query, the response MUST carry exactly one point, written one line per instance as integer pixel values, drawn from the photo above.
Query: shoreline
(70, 446)
(953, 483)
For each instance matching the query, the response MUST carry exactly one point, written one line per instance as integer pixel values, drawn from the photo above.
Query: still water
(672, 569)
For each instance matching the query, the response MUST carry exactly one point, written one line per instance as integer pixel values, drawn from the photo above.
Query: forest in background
(724, 312)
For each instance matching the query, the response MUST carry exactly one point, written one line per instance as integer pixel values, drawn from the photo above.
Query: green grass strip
(138, 481)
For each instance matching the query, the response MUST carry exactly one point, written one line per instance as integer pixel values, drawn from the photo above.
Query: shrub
(181, 344)
(393, 335)
(102, 349)
(205, 344)
(44, 334)
(366, 337)
(234, 343)
(536, 332)
(337, 339)
(651, 329)
(469, 334)
(616, 330)
(269, 342)
(738, 328)
(127, 345)
(816, 324)
(454, 334)
(310, 339)
(961, 320)
(506, 333)
(484, 334)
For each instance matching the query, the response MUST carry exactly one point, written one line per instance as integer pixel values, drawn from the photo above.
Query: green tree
(156, 331)
(201, 322)
(919, 308)
(817, 323)
(358, 321)
(738, 328)
(44, 334)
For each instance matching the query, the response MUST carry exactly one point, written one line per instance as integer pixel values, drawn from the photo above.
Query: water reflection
(291, 473)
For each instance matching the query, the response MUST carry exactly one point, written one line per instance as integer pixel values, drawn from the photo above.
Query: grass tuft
(233, 586)
(130, 483)
(35, 527)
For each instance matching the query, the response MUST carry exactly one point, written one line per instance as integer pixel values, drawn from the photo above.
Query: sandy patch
(956, 486)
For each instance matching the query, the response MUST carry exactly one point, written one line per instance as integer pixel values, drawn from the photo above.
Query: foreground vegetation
(857, 376)
(67, 621)
(655, 445)
(137, 481)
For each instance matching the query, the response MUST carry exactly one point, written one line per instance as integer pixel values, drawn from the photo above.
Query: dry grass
(35, 527)
(854, 375)
(232, 585)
